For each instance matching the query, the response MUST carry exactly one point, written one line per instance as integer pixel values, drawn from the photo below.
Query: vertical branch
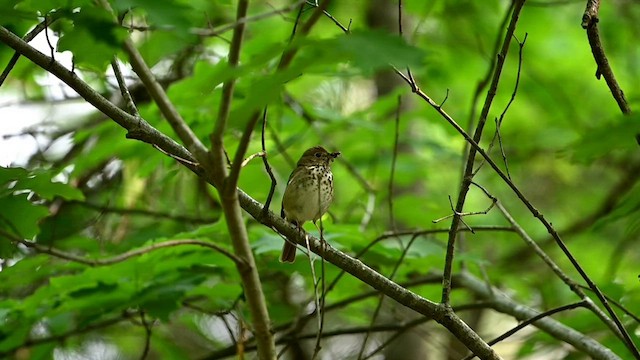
(147, 339)
(217, 146)
(393, 163)
(499, 120)
(226, 185)
(267, 167)
(468, 173)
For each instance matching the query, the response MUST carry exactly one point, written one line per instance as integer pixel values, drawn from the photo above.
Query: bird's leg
(323, 243)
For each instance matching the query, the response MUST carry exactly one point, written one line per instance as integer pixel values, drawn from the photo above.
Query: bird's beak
(335, 154)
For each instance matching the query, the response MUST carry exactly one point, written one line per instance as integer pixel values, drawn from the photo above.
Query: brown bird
(311, 177)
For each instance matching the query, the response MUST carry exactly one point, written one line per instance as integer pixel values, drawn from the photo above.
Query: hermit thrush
(309, 192)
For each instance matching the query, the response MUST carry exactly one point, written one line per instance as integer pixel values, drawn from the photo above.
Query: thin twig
(530, 321)
(48, 20)
(122, 257)
(227, 27)
(463, 214)
(144, 212)
(267, 167)
(561, 274)
(46, 35)
(131, 106)
(246, 161)
(177, 158)
(394, 158)
(318, 296)
(635, 317)
(147, 339)
(499, 120)
(374, 317)
(345, 29)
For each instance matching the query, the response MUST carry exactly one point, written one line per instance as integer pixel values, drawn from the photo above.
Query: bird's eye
(318, 154)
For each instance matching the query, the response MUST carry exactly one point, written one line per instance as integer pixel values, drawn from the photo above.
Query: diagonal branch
(48, 20)
(590, 24)
(502, 303)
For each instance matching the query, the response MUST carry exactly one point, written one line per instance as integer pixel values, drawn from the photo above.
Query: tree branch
(471, 156)
(122, 257)
(590, 24)
(502, 303)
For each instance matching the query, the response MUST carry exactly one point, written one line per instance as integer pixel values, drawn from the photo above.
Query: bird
(308, 193)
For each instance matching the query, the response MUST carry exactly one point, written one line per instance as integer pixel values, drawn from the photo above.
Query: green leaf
(19, 216)
(609, 136)
(40, 182)
(166, 12)
(628, 205)
(68, 220)
(45, 6)
(47, 189)
(14, 329)
(365, 51)
(93, 39)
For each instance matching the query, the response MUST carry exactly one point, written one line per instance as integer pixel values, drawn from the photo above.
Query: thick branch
(439, 313)
(138, 129)
(502, 303)
(227, 184)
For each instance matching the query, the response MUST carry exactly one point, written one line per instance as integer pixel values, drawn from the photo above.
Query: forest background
(488, 178)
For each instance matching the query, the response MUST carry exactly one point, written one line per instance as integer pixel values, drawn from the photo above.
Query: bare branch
(265, 161)
(590, 23)
(122, 257)
(502, 303)
(471, 156)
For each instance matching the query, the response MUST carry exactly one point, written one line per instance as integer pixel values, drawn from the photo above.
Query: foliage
(564, 142)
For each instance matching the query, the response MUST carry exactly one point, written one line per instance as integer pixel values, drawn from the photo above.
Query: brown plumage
(300, 203)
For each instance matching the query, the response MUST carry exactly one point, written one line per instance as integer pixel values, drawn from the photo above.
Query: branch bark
(502, 303)
(590, 21)
(471, 156)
